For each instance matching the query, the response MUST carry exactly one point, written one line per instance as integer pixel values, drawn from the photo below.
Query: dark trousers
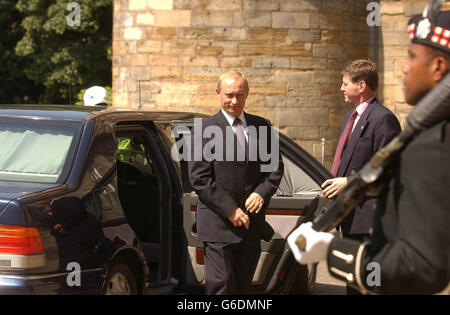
(229, 268)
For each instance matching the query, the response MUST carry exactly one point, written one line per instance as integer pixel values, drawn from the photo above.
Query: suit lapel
(220, 119)
(354, 137)
(253, 132)
(250, 121)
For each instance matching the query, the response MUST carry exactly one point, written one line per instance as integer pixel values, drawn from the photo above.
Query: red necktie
(342, 142)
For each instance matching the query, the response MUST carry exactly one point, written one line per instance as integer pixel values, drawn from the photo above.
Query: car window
(33, 153)
(132, 150)
(138, 183)
(101, 174)
(166, 129)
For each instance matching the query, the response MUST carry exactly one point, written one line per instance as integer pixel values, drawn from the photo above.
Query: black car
(94, 200)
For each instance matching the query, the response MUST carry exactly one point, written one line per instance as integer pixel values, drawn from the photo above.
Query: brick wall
(292, 52)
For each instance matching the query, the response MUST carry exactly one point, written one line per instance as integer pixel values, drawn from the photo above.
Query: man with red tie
(366, 129)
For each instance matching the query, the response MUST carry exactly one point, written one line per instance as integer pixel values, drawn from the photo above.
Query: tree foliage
(15, 87)
(65, 59)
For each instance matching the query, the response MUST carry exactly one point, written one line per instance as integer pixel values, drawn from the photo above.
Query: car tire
(304, 279)
(120, 280)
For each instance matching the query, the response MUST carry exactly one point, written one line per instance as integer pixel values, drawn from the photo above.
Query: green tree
(65, 59)
(15, 87)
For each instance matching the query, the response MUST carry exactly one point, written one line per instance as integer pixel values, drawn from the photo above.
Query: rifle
(370, 180)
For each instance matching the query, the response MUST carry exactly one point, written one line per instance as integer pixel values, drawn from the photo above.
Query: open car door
(299, 194)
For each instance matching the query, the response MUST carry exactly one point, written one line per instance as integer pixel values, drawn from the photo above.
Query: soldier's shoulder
(437, 136)
(439, 133)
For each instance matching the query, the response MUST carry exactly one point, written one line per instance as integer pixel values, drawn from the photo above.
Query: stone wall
(292, 52)
(393, 45)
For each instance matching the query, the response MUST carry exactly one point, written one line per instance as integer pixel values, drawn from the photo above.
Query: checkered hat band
(411, 29)
(440, 36)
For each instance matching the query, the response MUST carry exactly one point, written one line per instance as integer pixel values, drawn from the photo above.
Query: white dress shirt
(360, 110)
(231, 119)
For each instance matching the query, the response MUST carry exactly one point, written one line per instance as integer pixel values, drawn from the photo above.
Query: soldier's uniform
(410, 243)
(411, 239)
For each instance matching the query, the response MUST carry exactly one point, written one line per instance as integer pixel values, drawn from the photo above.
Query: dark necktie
(342, 142)
(239, 132)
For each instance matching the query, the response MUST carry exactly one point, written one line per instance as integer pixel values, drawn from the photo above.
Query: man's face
(418, 74)
(232, 95)
(351, 90)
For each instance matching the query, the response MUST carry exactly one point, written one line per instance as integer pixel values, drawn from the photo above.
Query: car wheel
(121, 280)
(305, 279)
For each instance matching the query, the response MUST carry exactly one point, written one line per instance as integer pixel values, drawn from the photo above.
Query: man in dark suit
(409, 250)
(233, 188)
(366, 129)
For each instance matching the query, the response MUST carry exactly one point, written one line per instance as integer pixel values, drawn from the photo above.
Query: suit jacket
(410, 241)
(375, 128)
(223, 185)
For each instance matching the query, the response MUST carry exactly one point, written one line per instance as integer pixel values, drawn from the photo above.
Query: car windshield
(34, 150)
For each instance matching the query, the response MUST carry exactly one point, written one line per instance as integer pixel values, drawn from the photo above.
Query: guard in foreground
(408, 252)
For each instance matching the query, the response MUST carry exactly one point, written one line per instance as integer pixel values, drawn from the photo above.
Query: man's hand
(239, 218)
(333, 186)
(316, 244)
(254, 203)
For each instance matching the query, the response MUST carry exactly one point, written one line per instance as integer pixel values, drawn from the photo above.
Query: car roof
(80, 113)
